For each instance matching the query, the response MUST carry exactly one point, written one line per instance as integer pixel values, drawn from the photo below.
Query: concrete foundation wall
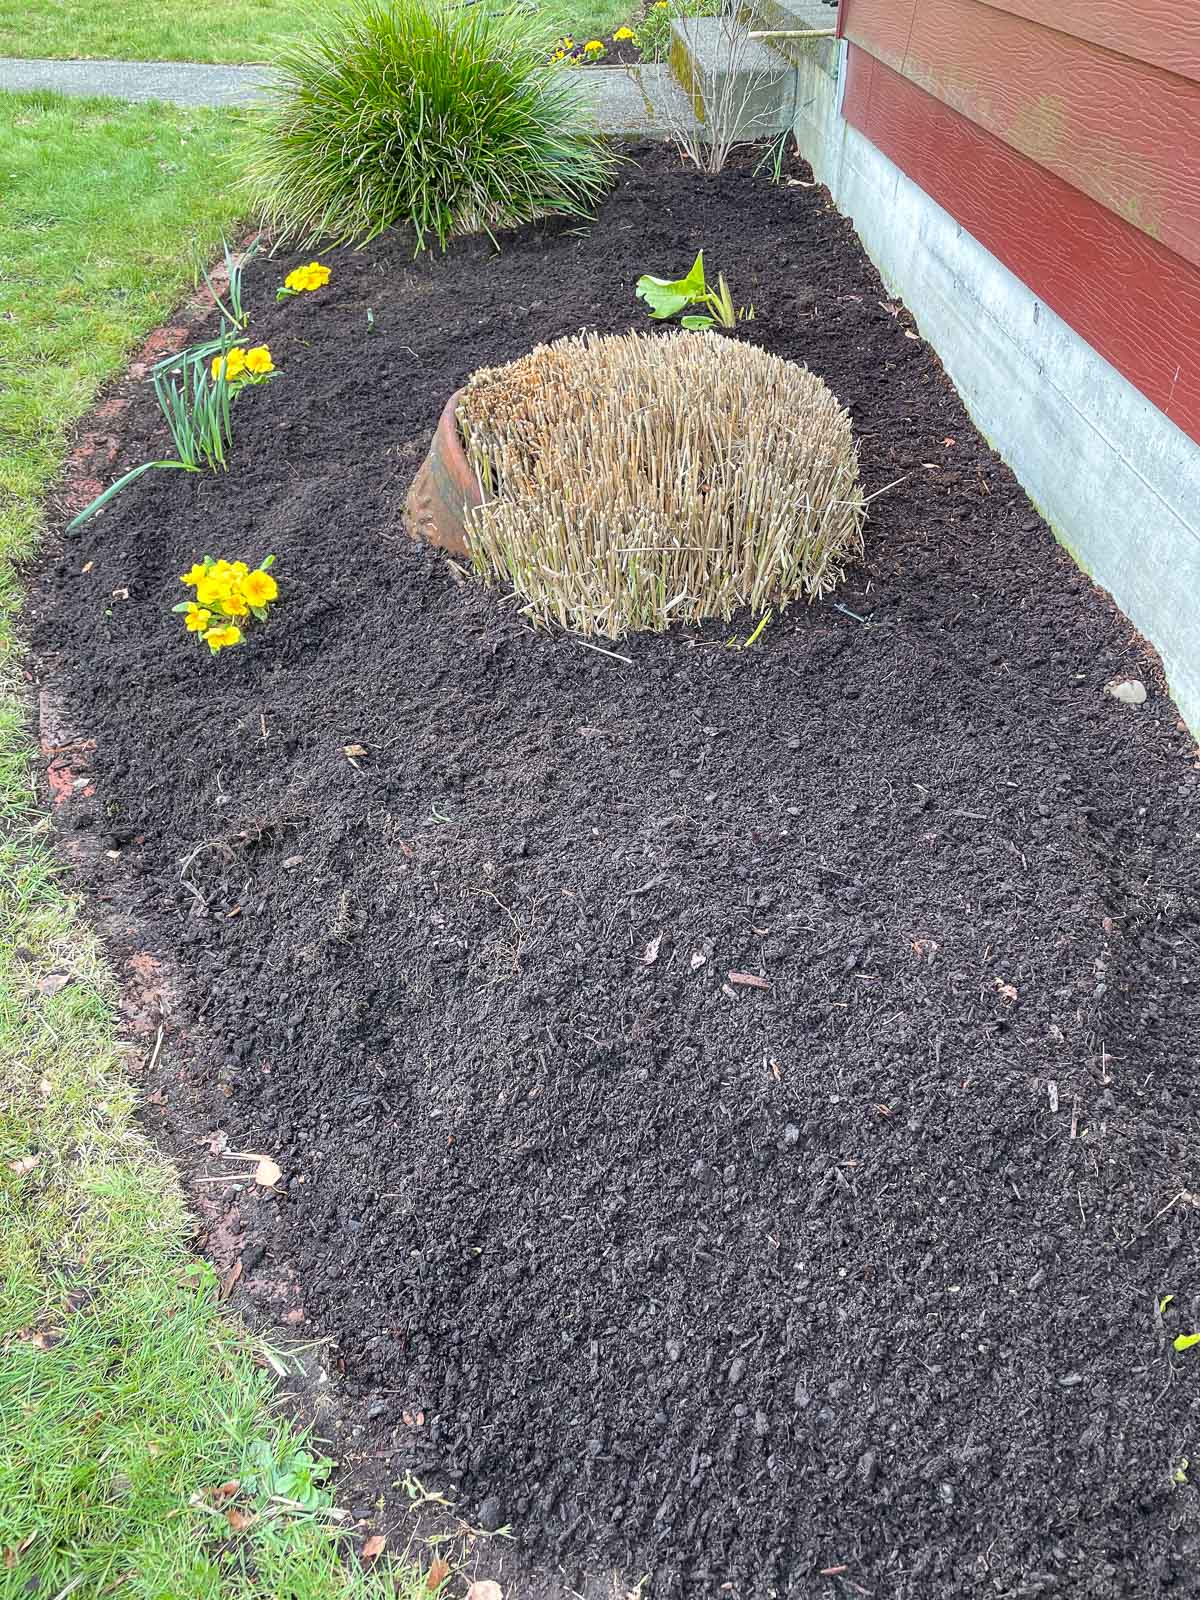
(1118, 482)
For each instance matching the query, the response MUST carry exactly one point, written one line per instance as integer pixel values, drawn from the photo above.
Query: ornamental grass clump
(447, 118)
(632, 482)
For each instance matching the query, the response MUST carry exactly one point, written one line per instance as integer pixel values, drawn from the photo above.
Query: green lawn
(126, 1400)
(217, 30)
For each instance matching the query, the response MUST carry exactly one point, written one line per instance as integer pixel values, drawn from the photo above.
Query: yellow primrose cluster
(226, 591)
(313, 276)
(594, 49)
(622, 34)
(244, 366)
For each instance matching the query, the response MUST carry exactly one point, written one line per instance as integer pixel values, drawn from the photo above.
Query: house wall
(1071, 151)
(1097, 431)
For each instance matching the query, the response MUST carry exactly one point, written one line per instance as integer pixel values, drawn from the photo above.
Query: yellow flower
(260, 588)
(234, 604)
(313, 276)
(568, 43)
(193, 577)
(593, 46)
(230, 366)
(259, 360)
(213, 589)
(197, 618)
(623, 33)
(220, 638)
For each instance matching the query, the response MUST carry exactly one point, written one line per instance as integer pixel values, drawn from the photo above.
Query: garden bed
(843, 1280)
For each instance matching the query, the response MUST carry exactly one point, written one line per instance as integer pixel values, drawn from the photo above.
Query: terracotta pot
(443, 489)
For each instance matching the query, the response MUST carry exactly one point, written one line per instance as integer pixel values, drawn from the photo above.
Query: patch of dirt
(845, 1281)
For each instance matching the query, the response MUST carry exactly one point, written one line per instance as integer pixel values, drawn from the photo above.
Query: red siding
(1134, 300)
(1123, 132)
(1168, 37)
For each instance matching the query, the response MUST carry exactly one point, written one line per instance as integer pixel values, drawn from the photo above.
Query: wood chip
(439, 1571)
(749, 980)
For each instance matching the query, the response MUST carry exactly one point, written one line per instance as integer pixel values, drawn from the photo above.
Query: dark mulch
(844, 1286)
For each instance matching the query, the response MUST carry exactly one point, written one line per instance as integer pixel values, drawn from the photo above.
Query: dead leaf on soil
(230, 1278)
(267, 1172)
(226, 1491)
(239, 1521)
(650, 954)
(485, 1589)
(24, 1166)
(374, 1547)
(698, 959)
(749, 980)
(1007, 992)
(439, 1571)
(40, 1338)
(53, 982)
(354, 751)
(414, 1419)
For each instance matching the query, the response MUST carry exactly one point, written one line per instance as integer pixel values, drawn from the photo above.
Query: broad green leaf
(666, 296)
(1185, 1341)
(695, 322)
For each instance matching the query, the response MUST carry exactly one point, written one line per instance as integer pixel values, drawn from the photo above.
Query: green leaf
(1185, 1341)
(186, 604)
(696, 322)
(1164, 1303)
(666, 296)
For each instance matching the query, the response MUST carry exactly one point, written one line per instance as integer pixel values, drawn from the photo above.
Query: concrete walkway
(182, 83)
(641, 101)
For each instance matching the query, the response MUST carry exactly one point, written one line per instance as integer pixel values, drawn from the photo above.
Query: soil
(736, 1107)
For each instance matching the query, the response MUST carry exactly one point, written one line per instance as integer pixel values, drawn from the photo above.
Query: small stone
(791, 1134)
(674, 1349)
(736, 1371)
(491, 1514)
(1127, 690)
(291, 862)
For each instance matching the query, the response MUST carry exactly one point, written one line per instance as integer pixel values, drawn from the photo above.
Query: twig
(601, 652)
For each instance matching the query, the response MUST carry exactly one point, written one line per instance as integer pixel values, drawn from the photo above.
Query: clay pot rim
(452, 439)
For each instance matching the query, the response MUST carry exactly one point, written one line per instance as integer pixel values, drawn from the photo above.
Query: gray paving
(632, 101)
(182, 83)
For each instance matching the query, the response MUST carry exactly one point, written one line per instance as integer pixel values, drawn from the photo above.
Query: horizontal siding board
(1133, 300)
(1123, 132)
(1163, 33)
